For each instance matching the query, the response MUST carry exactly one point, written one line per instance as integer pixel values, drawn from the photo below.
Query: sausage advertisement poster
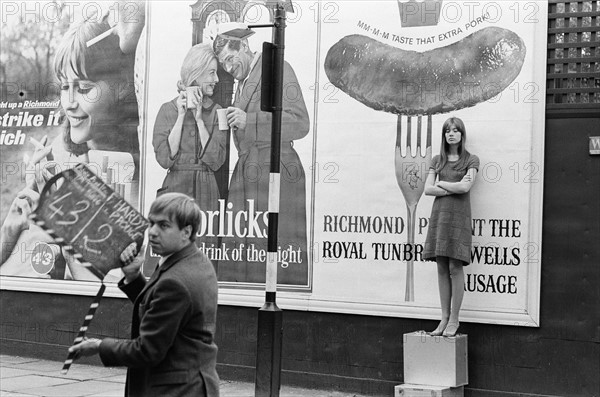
(367, 89)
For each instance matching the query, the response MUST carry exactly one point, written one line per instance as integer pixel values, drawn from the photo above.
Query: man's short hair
(180, 208)
(219, 43)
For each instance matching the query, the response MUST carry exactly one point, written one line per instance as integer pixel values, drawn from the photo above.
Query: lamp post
(270, 316)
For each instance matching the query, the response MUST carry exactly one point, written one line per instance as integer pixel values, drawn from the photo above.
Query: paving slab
(15, 394)
(79, 389)
(114, 378)
(7, 372)
(27, 377)
(38, 366)
(91, 372)
(107, 394)
(4, 359)
(24, 383)
(300, 392)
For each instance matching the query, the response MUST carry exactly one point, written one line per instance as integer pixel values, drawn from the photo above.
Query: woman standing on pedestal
(448, 243)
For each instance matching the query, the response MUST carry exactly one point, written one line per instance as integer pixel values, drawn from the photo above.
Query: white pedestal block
(435, 360)
(407, 390)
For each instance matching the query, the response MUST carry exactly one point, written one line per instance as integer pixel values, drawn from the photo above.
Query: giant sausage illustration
(441, 80)
(411, 83)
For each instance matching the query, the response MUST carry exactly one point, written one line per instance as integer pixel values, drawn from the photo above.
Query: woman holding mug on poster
(187, 140)
(448, 243)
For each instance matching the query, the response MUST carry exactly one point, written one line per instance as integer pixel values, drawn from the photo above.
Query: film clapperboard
(90, 221)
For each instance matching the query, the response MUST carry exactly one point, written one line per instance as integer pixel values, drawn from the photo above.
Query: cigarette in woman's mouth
(101, 36)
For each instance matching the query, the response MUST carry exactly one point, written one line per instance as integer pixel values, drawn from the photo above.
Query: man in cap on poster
(251, 132)
(172, 349)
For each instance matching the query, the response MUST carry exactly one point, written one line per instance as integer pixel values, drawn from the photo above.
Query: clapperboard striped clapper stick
(91, 222)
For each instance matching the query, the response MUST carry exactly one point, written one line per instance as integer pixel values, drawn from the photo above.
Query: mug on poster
(222, 116)
(192, 94)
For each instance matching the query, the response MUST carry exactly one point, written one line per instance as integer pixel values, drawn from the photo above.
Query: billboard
(366, 92)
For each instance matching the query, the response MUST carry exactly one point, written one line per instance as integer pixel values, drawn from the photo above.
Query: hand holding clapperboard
(88, 219)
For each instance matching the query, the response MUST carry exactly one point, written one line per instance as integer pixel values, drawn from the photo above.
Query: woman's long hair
(463, 154)
(101, 61)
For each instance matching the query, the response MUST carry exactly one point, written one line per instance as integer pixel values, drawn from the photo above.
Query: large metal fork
(411, 173)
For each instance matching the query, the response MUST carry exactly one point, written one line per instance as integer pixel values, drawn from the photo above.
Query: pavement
(31, 377)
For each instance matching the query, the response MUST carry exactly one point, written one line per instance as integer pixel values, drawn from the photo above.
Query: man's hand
(87, 347)
(132, 262)
(236, 118)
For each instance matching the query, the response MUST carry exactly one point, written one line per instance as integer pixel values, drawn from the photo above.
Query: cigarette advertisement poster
(366, 93)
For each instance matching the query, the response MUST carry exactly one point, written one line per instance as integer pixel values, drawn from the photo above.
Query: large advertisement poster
(234, 229)
(366, 93)
(402, 69)
(68, 97)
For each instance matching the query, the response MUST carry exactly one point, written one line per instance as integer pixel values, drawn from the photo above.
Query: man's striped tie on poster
(86, 322)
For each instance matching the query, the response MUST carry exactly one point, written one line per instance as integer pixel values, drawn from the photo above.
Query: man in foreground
(172, 350)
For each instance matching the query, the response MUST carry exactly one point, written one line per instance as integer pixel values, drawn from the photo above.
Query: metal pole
(270, 317)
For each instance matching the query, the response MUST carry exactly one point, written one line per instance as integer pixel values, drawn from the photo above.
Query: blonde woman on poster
(451, 176)
(186, 139)
(100, 119)
(97, 96)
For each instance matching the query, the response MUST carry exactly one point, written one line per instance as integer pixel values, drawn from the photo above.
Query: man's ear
(187, 231)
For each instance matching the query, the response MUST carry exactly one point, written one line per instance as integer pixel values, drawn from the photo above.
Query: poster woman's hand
(202, 130)
(39, 162)
(175, 135)
(461, 187)
(182, 103)
(127, 18)
(467, 178)
(198, 97)
(16, 221)
(432, 187)
(22, 206)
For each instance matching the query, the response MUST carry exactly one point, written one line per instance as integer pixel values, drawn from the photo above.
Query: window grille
(573, 79)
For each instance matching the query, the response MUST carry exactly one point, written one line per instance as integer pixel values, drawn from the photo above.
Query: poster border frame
(305, 300)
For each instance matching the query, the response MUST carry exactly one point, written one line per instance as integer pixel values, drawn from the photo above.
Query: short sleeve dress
(449, 232)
